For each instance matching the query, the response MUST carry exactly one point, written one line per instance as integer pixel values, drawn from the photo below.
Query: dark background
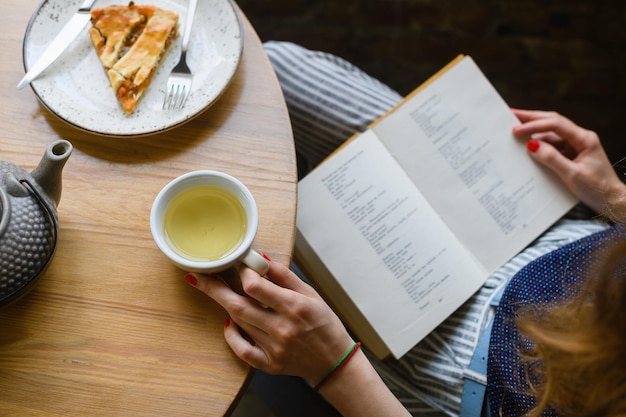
(567, 55)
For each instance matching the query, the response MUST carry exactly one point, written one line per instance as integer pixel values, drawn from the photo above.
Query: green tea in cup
(205, 222)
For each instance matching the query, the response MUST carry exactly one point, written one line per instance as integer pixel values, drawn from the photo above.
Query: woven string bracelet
(349, 354)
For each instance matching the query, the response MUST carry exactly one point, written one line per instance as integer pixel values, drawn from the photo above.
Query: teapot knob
(9, 186)
(5, 211)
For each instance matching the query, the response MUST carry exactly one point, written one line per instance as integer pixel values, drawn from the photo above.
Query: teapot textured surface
(28, 220)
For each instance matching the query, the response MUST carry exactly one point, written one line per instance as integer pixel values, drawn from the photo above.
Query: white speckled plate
(77, 90)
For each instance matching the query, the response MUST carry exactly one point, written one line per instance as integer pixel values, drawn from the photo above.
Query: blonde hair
(579, 352)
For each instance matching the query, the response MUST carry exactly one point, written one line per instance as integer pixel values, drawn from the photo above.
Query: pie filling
(130, 42)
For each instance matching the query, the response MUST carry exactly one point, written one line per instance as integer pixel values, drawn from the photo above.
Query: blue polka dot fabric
(555, 276)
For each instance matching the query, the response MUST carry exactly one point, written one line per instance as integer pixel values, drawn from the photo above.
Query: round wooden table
(111, 328)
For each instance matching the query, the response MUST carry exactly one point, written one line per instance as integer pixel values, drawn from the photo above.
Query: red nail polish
(532, 145)
(191, 280)
(266, 257)
(226, 323)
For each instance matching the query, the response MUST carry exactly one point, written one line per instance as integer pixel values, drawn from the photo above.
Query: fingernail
(191, 280)
(265, 256)
(226, 323)
(532, 145)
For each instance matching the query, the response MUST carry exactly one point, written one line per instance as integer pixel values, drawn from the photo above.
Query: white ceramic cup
(243, 253)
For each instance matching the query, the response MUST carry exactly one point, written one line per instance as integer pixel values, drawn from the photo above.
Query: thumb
(548, 156)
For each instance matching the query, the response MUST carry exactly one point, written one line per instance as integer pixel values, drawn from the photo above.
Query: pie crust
(130, 42)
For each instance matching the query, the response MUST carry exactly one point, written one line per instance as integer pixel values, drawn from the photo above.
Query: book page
(454, 139)
(384, 244)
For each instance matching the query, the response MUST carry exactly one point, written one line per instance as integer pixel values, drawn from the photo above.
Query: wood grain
(112, 329)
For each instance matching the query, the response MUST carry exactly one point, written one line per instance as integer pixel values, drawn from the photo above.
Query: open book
(407, 220)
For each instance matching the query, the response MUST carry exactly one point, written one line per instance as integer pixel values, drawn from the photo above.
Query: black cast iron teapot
(28, 220)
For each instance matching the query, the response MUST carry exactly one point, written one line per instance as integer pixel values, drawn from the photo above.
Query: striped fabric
(329, 99)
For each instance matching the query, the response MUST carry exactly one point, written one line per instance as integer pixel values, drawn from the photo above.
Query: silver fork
(179, 81)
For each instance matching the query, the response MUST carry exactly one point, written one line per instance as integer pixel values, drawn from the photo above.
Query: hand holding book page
(406, 222)
(456, 144)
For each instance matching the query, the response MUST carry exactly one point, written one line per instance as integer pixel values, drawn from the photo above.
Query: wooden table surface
(111, 328)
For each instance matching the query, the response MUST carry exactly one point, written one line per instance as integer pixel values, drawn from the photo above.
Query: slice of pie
(130, 42)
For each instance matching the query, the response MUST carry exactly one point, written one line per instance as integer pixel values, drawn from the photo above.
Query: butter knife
(60, 43)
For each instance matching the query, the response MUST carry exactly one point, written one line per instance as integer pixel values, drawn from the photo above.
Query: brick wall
(565, 55)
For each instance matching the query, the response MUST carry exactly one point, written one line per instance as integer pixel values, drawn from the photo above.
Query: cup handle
(255, 261)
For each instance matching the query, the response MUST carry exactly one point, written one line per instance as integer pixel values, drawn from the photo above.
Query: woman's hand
(576, 155)
(281, 325)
